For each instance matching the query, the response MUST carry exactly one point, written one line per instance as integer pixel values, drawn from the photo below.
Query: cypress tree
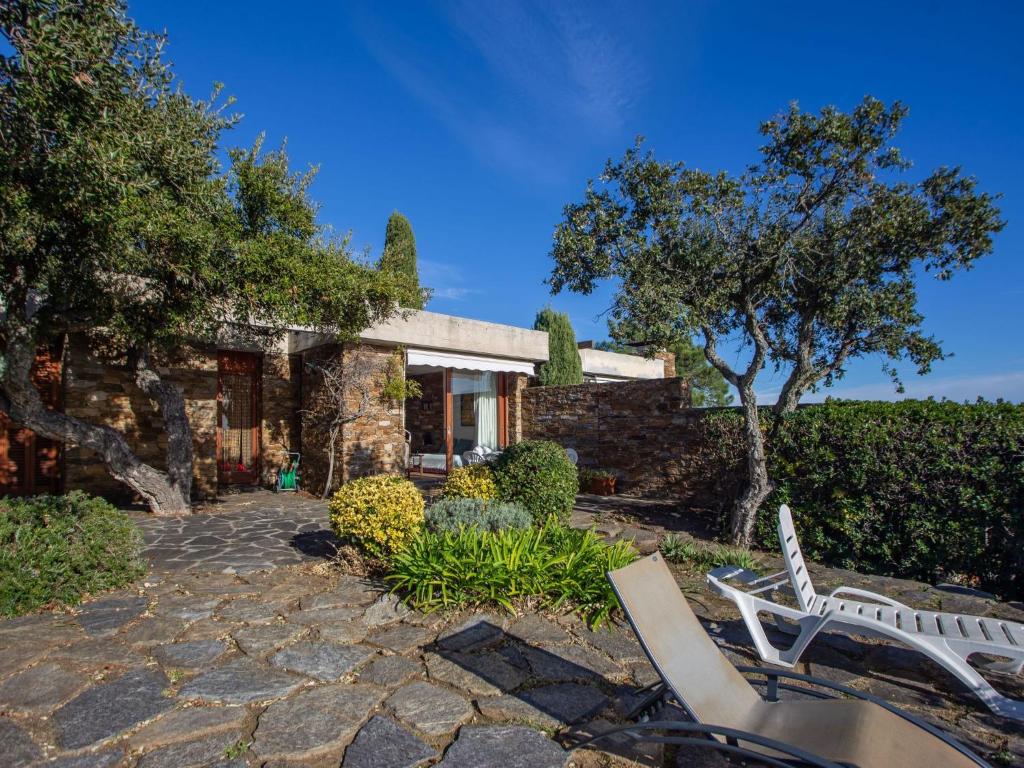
(563, 365)
(399, 260)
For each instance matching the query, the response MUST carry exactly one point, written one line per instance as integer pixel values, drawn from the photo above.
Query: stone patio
(221, 659)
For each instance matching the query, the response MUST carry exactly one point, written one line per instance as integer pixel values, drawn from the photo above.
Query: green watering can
(288, 475)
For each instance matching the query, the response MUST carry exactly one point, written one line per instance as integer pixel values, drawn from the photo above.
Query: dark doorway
(238, 418)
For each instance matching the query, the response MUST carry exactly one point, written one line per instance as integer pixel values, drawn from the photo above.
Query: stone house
(249, 408)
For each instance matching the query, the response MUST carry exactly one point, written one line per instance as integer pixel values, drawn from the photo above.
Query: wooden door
(30, 464)
(238, 418)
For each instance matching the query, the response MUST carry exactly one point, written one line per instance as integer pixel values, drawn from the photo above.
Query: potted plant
(597, 481)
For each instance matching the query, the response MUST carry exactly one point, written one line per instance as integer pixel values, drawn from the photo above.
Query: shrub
(55, 549)
(380, 514)
(473, 482)
(917, 489)
(558, 566)
(539, 476)
(451, 514)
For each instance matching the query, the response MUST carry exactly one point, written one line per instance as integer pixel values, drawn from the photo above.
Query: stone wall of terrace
(646, 432)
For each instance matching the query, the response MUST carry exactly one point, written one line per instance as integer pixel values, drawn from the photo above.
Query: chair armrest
(773, 674)
(869, 595)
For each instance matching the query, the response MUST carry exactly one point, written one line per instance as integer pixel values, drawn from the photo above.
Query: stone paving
(300, 665)
(244, 533)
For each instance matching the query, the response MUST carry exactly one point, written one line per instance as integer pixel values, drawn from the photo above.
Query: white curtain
(485, 407)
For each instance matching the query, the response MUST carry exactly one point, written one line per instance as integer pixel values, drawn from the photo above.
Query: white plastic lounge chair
(949, 639)
(730, 715)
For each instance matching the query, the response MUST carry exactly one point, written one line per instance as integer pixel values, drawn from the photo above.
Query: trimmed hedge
(56, 549)
(538, 475)
(918, 489)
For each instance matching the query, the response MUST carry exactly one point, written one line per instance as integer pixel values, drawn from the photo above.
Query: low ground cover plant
(704, 557)
(557, 566)
(538, 475)
(917, 489)
(472, 482)
(488, 515)
(379, 515)
(57, 549)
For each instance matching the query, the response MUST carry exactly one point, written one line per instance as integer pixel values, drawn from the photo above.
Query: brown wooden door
(238, 418)
(30, 464)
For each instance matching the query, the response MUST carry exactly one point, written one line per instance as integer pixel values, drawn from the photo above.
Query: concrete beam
(615, 365)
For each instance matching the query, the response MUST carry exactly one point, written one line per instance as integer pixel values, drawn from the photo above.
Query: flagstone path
(212, 661)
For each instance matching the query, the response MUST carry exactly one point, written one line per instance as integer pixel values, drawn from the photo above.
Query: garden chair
(948, 639)
(730, 715)
(469, 458)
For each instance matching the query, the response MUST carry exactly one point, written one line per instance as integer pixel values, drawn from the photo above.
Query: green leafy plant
(538, 475)
(914, 489)
(56, 549)
(396, 387)
(473, 482)
(558, 566)
(677, 549)
(237, 749)
(378, 514)
(586, 475)
(451, 514)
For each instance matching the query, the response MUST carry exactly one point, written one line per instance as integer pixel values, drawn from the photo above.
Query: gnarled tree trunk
(744, 513)
(164, 492)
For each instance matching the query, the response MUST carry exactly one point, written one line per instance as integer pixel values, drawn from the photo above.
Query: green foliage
(809, 259)
(450, 514)
(708, 388)
(563, 365)
(916, 489)
(586, 475)
(538, 475)
(57, 549)
(118, 220)
(473, 482)
(399, 260)
(379, 514)
(704, 557)
(397, 387)
(558, 566)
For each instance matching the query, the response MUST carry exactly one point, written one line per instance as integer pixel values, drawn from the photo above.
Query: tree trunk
(19, 398)
(171, 403)
(331, 443)
(744, 513)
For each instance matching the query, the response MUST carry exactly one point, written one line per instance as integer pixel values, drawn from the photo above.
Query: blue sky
(480, 120)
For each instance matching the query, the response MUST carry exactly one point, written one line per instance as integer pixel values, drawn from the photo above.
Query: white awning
(468, 362)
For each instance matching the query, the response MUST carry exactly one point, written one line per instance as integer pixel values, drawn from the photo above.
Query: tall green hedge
(916, 489)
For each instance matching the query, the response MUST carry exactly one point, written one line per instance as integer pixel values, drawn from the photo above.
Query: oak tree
(809, 259)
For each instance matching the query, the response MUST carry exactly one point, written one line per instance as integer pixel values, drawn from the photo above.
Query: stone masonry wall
(515, 387)
(102, 393)
(106, 394)
(645, 432)
(373, 444)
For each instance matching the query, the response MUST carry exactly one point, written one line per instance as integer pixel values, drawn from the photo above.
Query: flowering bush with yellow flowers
(473, 482)
(378, 514)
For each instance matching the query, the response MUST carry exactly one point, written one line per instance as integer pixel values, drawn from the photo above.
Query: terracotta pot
(602, 486)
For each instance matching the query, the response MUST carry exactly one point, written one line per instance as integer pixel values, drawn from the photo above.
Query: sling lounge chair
(948, 639)
(731, 716)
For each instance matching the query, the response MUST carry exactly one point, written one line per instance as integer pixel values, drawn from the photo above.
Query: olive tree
(808, 259)
(119, 224)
